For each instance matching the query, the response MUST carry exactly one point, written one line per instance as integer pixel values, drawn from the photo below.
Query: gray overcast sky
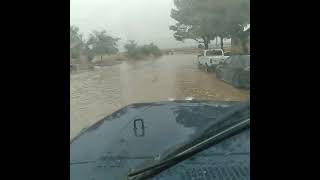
(142, 20)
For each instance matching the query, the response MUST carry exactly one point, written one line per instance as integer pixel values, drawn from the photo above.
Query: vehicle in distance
(236, 71)
(210, 58)
(172, 140)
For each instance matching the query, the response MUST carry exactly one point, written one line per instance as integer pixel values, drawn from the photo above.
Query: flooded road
(96, 94)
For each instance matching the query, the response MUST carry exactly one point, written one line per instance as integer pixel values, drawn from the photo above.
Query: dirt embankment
(109, 60)
(83, 64)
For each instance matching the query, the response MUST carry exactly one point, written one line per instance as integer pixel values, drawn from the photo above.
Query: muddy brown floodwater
(96, 94)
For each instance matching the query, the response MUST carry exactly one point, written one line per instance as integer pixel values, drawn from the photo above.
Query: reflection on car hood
(137, 133)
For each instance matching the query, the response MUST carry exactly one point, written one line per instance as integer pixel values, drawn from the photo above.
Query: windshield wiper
(227, 132)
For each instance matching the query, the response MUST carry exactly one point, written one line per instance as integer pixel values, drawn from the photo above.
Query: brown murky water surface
(96, 94)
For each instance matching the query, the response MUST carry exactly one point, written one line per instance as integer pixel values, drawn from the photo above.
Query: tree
(236, 17)
(100, 43)
(139, 51)
(76, 41)
(75, 35)
(204, 20)
(131, 47)
(193, 22)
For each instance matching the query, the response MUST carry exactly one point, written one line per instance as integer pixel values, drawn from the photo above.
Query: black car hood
(138, 133)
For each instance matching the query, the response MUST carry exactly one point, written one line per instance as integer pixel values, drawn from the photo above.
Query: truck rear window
(214, 53)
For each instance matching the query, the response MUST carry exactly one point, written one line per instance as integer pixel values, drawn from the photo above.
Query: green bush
(135, 51)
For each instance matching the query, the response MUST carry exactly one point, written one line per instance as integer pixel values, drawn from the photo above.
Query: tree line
(100, 43)
(136, 51)
(205, 20)
(97, 43)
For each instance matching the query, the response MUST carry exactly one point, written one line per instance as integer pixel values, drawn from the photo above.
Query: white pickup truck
(210, 58)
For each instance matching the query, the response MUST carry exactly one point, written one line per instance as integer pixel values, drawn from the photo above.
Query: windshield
(227, 123)
(214, 53)
(124, 52)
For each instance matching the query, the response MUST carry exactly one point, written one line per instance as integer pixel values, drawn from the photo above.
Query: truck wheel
(207, 68)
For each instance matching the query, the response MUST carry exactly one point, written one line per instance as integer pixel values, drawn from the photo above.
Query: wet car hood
(138, 133)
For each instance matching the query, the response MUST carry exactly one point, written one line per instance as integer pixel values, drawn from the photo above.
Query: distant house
(241, 45)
